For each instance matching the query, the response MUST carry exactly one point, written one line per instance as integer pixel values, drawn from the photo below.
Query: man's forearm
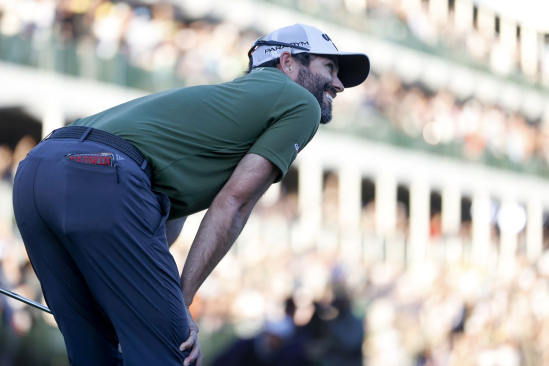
(218, 230)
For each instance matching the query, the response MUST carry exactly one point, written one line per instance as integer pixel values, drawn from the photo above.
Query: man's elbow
(235, 204)
(233, 201)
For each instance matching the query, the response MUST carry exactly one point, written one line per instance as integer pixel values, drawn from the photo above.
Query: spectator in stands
(345, 333)
(262, 350)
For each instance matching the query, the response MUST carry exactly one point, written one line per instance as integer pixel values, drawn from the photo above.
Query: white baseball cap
(353, 67)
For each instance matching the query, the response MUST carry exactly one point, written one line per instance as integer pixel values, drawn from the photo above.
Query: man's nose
(338, 85)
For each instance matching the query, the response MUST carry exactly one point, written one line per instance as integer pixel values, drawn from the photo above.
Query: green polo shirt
(194, 137)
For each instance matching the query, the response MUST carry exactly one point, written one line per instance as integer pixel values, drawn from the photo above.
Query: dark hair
(304, 59)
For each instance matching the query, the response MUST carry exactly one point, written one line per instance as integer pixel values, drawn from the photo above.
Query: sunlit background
(411, 231)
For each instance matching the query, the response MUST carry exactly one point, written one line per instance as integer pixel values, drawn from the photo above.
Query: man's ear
(289, 65)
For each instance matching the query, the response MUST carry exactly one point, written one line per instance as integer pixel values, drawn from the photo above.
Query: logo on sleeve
(296, 147)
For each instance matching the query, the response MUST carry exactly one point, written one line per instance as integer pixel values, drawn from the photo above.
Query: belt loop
(85, 134)
(144, 165)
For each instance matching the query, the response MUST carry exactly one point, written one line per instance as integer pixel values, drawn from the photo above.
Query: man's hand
(192, 342)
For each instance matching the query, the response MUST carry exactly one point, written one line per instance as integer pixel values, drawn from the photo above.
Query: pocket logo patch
(93, 159)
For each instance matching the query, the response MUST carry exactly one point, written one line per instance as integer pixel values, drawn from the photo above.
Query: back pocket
(90, 197)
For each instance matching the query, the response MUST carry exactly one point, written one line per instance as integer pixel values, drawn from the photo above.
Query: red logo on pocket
(93, 159)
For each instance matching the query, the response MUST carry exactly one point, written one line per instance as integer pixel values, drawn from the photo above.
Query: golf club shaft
(25, 300)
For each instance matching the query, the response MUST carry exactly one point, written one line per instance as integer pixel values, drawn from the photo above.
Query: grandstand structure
(49, 95)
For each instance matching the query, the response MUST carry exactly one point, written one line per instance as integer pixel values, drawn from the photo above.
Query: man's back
(194, 137)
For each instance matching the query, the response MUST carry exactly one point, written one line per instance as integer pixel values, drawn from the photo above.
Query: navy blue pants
(95, 235)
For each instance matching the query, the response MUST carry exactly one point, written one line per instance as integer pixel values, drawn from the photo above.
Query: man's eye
(331, 67)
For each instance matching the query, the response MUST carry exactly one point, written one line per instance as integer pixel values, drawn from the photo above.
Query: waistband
(83, 133)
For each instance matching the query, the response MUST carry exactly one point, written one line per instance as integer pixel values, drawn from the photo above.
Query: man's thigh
(135, 279)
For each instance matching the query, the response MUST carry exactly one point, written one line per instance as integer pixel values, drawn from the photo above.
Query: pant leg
(89, 335)
(112, 225)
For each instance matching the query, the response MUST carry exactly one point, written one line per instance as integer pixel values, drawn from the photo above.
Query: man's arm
(225, 219)
(173, 229)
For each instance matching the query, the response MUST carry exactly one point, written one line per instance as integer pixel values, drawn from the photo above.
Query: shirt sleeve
(290, 133)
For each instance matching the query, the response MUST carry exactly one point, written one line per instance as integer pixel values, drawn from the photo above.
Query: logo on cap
(327, 38)
(280, 46)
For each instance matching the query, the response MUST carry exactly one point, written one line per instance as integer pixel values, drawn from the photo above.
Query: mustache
(331, 89)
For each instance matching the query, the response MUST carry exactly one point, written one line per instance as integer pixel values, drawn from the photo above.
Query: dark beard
(316, 85)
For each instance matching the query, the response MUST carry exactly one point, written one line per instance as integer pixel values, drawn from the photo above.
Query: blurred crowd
(473, 39)
(162, 40)
(440, 118)
(155, 38)
(161, 36)
(456, 315)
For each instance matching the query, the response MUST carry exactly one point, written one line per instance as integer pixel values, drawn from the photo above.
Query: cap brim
(354, 68)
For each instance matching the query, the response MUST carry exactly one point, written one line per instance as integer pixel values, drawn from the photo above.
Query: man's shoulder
(271, 73)
(270, 78)
(263, 79)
